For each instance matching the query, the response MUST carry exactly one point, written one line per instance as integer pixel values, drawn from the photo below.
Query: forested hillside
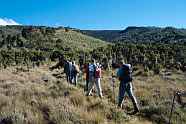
(140, 34)
(32, 93)
(26, 44)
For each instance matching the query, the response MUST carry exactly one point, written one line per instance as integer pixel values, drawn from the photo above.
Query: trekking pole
(172, 108)
(113, 81)
(113, 87)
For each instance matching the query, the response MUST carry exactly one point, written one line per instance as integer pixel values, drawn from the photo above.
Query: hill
(25, 44)
(33, 94)
(36, 37)
(140, 34)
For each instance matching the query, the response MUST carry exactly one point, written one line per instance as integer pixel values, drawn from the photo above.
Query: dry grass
(37, 97)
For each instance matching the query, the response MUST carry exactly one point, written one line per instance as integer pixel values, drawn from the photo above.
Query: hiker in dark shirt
(125, 77)
(74, 72)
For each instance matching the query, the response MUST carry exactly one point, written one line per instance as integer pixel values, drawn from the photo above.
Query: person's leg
(132, 97)
(86, 83)
(90, 85)
(70, 77)
(98, 86)
(75, 79)
(67, 77)
(122, 88)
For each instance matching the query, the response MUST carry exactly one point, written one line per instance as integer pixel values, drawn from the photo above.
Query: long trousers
(127, 87)
(74, 78)
(67, 77)
(96, 81)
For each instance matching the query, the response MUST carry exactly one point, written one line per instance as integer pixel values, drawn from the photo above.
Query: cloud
(6, 21)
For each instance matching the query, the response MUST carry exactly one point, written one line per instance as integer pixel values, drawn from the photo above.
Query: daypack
(75, 68)
(91, 70)
(126, 72)
(98, 72)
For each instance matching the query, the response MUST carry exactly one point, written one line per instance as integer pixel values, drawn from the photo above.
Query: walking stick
(113, 90)
(172, 108)
(113, 87)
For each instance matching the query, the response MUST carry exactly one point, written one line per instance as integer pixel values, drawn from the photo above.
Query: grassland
(39, 96)
(78, 41)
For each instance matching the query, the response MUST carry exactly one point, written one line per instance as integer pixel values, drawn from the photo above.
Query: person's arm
(118, 74)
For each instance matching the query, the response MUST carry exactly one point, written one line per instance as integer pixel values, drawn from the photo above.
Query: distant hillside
(41, 37)
(25, 44)
(140, 34)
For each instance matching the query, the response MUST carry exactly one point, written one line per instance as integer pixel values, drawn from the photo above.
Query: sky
(94, 14)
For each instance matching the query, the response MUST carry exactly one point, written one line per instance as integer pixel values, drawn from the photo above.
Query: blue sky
(96, 14)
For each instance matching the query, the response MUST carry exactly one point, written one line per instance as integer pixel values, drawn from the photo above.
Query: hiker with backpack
(124, 74)
(98, 79)
(66, 70)
(75, 70)
(91, 76)
(69, 72)
(94, 78)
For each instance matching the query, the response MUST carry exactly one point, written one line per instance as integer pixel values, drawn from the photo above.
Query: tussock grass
(27, 98)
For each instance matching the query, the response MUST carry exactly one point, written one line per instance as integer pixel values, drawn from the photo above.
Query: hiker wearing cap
(125, 78)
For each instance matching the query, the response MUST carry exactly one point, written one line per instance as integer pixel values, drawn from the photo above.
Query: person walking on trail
(94, 78)
(75, 71)
(91, 76)
(98, 79)
(69, 72)
(66, 70)
(124, 74)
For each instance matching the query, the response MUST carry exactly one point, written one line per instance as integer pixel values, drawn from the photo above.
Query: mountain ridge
(140, 34)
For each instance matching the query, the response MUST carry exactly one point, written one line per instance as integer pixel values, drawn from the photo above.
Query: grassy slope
(78, 41)
(70, 39)
(30, 99)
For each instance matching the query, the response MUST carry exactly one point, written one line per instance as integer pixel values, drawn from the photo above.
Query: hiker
(91, 76)
(94, 77)
(98, 79)
(124, 74)
(81, 61)
(69, 72)
(66, 70)
(74, 72)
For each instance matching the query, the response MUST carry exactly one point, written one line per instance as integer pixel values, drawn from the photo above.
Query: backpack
(98, 72)
(75, 68)
(126, 73)
(91, 70)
